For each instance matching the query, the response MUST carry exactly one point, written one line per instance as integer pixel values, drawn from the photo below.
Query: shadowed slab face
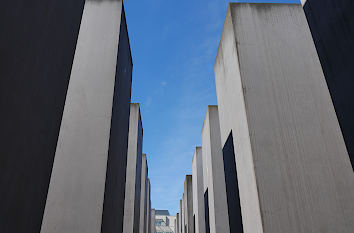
(86, 192)
(113, 211)
(37, 46)
(332, 27)
(231, 182)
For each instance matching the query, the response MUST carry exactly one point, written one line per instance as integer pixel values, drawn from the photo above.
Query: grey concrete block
(148, 208)
(293, 170)
(133, 177)
(87, 186)
(153, 223)
(37, 50)
(188, 191)
(143, 197)
(198, 190)
(332, 26)
(177, 223)
(213, 172)
(184, 209)
(181, 215)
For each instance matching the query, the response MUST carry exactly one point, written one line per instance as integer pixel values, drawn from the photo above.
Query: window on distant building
(159, 222)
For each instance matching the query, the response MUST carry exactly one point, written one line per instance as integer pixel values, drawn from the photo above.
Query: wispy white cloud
(163, 83)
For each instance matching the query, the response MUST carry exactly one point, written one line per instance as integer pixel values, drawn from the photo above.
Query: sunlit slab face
(303, 2)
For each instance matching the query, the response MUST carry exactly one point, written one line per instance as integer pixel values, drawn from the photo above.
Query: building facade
(164, 222)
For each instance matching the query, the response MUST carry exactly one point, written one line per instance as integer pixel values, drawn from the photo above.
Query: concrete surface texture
(153, 223)
(148, 208)
(293, 169)
(198, 190)
(177, 223)
(188, 191)
(142, 228)
(181, 215)
(133, 177)
(82, 179)
(332, 26)
(184, 209)
(231, 183)
(36, 60)
(213, 172)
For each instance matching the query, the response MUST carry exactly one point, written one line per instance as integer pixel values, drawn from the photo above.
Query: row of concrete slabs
(275, 154)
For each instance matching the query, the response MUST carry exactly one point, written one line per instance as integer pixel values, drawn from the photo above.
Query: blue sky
(174, 45)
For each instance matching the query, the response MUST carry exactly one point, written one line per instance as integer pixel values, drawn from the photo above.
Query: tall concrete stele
(143, 197)
(216, 215)
(332, 26)
(188, 200)
(278, 121)
(65, 91)
(148, 207)
(184, 230)
(153, 224)
(134, 165)
(198, 190)
(181, 215)
(177, 223)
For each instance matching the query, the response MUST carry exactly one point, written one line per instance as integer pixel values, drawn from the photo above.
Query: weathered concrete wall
(87, 186)
(181, 225)
(37, 46)
(153, 223)
(177, 223)
(293, 169)
(198, 190)
(148, 208)
(143, 189)
(231, 182)
(213, 172)
(133, 177)
(113, 211)
(332, 27)
(184, 209)
(188, 191)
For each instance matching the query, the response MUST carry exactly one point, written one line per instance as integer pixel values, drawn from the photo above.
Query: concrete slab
(331, 23)
(213, 172)
(184, 209)
(133, 177)
(188, 191)
(288, 147)
(181, 225)
(144, 174)
(36, 55)
(177, 223)
(198, 190)
(87, 186)
(148, 208)
(153, 223)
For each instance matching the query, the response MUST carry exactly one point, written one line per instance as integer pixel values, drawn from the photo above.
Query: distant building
(165, 223)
